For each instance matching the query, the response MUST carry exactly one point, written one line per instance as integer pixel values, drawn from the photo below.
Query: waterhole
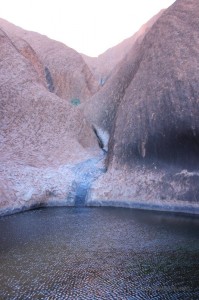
(98, 253)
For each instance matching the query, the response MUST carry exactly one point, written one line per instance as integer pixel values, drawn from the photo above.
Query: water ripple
(101, 253)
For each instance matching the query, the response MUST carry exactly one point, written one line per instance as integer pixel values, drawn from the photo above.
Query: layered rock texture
(149, 109)
(145, 117)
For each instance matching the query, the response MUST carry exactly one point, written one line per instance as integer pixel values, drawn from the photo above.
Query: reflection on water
(98, 253)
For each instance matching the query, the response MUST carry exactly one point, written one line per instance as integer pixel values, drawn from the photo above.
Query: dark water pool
(98, 253)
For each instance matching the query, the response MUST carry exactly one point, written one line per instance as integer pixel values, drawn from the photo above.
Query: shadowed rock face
(150, 105)
(157, 118)
(151, 113)
(116, 63)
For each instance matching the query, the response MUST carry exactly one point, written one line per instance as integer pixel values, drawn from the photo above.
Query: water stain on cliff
(85, 174)
(49, 80)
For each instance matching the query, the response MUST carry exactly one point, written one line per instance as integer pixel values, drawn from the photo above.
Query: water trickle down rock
(86, 173)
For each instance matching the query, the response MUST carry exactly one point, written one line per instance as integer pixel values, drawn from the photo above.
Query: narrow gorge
(137, 102)
(99, 160)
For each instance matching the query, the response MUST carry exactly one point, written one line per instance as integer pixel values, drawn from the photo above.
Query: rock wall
(145, 118)
(65, 71)
(41, 135)
(150, 109)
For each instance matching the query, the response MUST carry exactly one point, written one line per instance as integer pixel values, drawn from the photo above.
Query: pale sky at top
(89, 26)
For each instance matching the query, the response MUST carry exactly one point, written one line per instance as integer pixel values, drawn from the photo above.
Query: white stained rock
(104, 137)
(28, 194)
(186, 173)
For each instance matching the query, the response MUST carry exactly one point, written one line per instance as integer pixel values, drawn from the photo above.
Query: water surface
(98, 253)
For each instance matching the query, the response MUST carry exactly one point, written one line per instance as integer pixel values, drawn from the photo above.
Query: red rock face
(40, 132)
(26, 50)
(160, 105)
(118, 64)
(151, 101)
(71, 77)
(150, 110)
(145, 117)
(32, 117)
(64, 70)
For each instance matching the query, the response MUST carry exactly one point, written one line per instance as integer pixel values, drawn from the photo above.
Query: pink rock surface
(69, 75)
(39, 132)
(149, 111)
(145, 117)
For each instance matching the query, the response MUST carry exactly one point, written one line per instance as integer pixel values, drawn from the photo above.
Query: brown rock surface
(151, 112)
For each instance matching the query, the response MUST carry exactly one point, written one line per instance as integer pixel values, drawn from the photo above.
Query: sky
(88, 26)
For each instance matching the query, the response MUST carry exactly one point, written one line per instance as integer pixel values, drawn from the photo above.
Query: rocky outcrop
(145, 117)
(71, 77)
(41, 135)
(150, 110)
(64, 70)
(101, 110)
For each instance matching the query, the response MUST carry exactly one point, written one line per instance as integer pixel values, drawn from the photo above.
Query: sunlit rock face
(41, 135)
(153, 151)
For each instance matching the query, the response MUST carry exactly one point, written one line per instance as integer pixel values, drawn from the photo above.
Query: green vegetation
(75, 102)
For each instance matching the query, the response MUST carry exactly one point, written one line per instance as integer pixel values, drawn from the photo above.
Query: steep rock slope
(102, 108)
(40, 134)
(161, 104)
(151, 111)
(65, 72)
(103, 65)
